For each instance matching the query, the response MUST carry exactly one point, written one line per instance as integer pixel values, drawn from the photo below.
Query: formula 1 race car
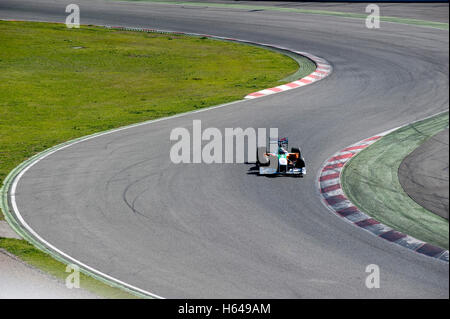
(278, 161)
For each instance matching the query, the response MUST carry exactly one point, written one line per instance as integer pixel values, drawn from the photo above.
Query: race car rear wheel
(261, 160)
(300, 163)
(296, 150)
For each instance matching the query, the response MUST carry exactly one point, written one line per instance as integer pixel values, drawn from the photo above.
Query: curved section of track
(118, 204)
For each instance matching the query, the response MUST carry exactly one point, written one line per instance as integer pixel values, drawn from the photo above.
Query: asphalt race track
(118, 204)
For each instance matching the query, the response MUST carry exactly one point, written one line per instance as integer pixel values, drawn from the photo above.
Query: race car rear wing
(275, 143)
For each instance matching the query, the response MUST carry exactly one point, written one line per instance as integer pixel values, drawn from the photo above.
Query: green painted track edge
(356, 203)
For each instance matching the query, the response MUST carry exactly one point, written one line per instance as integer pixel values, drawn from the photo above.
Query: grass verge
(58, 84)
(370, 181)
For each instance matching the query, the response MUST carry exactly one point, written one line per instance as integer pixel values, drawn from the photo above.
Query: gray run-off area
(424, 174)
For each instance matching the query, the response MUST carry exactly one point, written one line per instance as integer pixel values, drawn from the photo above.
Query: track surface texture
(118, 204)
(424, 174)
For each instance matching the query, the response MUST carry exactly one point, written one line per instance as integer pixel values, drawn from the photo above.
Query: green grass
(416, 22)
(57, 84)
(41, 260)
(370, 181)
(52, 91)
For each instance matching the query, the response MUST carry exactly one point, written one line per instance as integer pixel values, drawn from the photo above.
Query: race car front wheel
(261, 160)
